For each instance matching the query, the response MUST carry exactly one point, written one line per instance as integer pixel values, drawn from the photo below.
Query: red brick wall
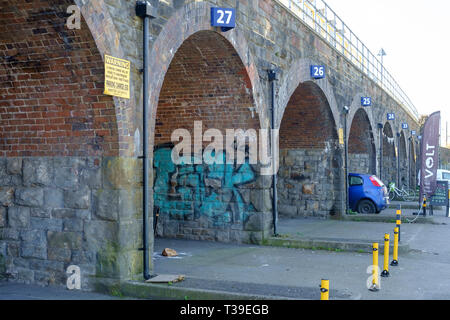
(307, 121)
(51, 85)
(207, 82)
(360, 140)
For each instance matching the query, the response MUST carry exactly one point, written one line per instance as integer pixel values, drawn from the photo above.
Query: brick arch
(361, 144)
(179, 28)
(206, 81)
(199, 73)
(310, 175)
(107, 39)
(52, 99)
(356, 107)
(308, 121)
(298, 73)
(403, 152)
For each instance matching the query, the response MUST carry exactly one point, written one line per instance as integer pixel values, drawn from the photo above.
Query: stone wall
(308, 183)
(56, 212)
(210, 202)
(85, 209)
(359, 163)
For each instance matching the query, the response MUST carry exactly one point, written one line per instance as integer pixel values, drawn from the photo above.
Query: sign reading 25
(366, 101)
(223, 17)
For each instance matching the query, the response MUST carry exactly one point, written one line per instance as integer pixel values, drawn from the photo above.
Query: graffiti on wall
(191, 191)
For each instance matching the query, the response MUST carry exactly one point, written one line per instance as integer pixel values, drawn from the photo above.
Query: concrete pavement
(16, 291)
(230, 271)
(423, 272)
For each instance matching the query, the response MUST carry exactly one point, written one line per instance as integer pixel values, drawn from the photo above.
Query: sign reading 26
(317, 72)
(223, 17)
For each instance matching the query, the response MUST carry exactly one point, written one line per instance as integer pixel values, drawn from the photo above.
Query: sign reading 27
(223, 17)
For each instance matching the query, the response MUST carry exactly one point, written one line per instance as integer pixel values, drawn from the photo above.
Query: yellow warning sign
(117, 77)
(341, 136)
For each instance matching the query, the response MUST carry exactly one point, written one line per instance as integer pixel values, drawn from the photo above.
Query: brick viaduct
(70, 176)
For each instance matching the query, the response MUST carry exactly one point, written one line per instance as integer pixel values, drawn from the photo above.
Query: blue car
(367, 193)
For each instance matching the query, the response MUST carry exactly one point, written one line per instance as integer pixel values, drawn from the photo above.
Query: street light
(381, 53)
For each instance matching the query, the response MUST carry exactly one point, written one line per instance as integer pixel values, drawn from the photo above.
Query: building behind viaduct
(70, 172)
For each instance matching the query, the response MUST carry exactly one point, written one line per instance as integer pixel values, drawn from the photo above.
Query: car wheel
(366, 207)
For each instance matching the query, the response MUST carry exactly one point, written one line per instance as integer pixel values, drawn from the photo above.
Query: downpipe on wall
(346, 111)
(380, 128)
(398, 160)
(272, 78)
(145, 11)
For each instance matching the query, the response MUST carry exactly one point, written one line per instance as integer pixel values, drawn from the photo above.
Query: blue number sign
(366, 101)
(223, 17)
(413, 132)
(317, 72)
(405, 126)
(391, 116)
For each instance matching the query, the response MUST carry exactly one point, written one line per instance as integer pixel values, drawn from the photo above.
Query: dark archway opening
(403, 161)
(361, 145)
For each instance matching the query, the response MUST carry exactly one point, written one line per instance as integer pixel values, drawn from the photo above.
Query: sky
(415, 34)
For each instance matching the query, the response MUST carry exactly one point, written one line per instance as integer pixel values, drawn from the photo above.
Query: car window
(446, 175)
(356, 181)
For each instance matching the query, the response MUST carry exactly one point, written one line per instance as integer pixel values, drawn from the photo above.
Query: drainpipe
(398, 160)
(409, 163)
(145, 11)
(272, 78)
(346, 111)
(380, 126)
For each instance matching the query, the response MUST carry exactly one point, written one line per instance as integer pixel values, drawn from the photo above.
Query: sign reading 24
(391, 116)
(223, 17)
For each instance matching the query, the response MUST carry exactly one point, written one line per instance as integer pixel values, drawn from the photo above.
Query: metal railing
(324, 21)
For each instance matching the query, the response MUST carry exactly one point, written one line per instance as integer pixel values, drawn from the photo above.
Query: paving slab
(18, 291)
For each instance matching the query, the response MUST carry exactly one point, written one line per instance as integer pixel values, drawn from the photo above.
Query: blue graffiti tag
(189, 191)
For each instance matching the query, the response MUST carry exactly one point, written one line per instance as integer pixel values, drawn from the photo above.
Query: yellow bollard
(385, 272)
(375, 280)
(324, 289)
(395, 253)
(398, 223)
(424, 205)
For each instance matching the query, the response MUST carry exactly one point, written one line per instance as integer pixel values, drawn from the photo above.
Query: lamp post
(381, 53)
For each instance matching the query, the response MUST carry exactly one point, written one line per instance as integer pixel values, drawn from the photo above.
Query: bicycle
(401, 194)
